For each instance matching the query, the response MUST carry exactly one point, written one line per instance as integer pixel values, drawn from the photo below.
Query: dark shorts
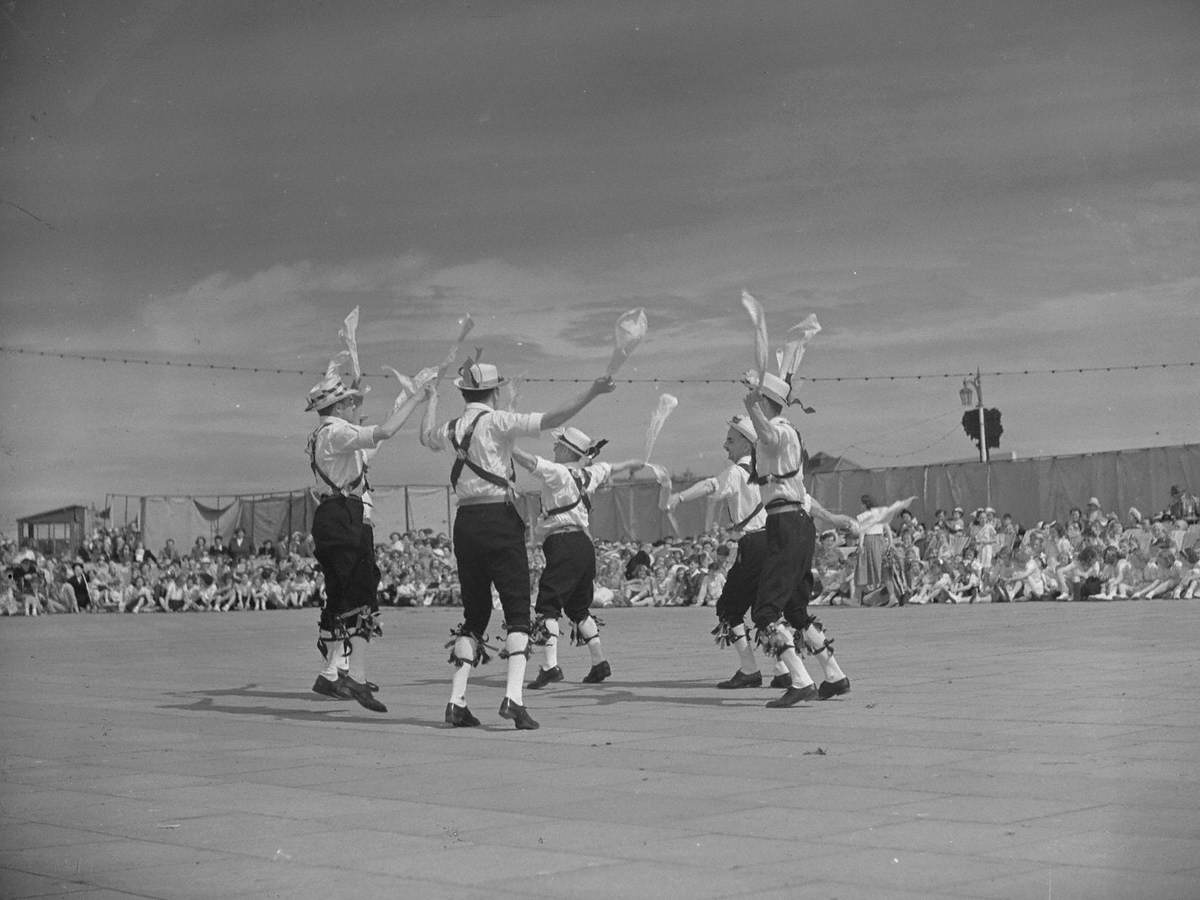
(787, 579)
(345, 548)
(489, 547)
(741, 581)
(569, 577)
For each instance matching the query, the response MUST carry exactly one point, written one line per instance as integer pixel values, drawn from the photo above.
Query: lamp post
(973, 389)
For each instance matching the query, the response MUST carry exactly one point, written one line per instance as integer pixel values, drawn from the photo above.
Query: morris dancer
(489, 534)
(569, 576)
(744, 505)
(785, 586)
(342, 533)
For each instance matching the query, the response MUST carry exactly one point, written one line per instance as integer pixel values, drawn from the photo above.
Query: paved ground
(1017, 751)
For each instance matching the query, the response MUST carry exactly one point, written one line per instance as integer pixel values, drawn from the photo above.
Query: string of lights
(113, 358)
(862, 445)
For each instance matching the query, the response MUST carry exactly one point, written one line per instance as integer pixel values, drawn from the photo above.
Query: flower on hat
(330, 389)
(476, 376)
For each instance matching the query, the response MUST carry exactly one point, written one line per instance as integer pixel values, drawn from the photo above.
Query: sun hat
(772, 386)
(477, 376)
(328, 391)
(743, 426)
(1092, 501)
(576, 440)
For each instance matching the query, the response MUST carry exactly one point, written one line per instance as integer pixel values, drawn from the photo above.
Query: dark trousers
(489, 546)
(741, 581)
(568, 580)
(345, 548)
(787, 580)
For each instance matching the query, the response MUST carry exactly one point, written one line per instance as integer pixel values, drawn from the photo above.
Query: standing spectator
(1183, 505)
(168, 555)
(240, 549)
(874, 538)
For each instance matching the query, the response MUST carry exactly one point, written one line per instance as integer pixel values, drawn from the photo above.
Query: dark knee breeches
(568, 580)
(741, 581)
(787, 580)
(489, 546)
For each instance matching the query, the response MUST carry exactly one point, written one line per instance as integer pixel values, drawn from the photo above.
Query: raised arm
(399, 416)
(762, 425)
(602, 385)
(429, 419)
(524, 458)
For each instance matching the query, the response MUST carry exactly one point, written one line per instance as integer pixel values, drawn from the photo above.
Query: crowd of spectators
(954, 558)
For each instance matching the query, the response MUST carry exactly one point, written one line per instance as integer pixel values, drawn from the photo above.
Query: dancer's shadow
(322, 709)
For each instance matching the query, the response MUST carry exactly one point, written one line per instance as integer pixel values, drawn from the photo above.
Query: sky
(948, 186)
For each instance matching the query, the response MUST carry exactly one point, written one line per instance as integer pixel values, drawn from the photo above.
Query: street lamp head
(965, 393)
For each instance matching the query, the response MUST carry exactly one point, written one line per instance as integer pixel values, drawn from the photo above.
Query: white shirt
(559, 489)
(336, 451)
(740, 494)
(779, 457)
(491, 447)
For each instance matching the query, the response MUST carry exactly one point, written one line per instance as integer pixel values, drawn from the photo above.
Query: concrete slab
(988, 751)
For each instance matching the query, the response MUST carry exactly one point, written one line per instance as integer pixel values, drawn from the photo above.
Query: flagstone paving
(1004, 751)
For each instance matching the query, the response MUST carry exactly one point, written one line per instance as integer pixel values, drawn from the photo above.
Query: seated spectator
(1163, 573)
(28, 584)
(1189, 581)
(137, 596)
(832, 570)
(80, 590)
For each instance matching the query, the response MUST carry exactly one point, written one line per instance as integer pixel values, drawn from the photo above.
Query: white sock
(745, 652)
(333, 656)
(552, 643)
(464, 648)
(780, 668)
(515, 644)
(815, 637)
(358, 659)
(791, 659)
(590, 632)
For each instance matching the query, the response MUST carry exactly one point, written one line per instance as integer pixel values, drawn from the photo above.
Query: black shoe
(545, 677)
(362, 694)
(371, 686)
(332, 689)
(831, 689)
(794, 695)
(782, 681)
(599, 672)
(460, 716)
(519, 715)
(741, 679)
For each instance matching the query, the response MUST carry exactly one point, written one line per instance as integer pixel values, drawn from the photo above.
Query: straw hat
(477, 376)
(577, 441)
(772, 386)
(743, 426)
(328, 391)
